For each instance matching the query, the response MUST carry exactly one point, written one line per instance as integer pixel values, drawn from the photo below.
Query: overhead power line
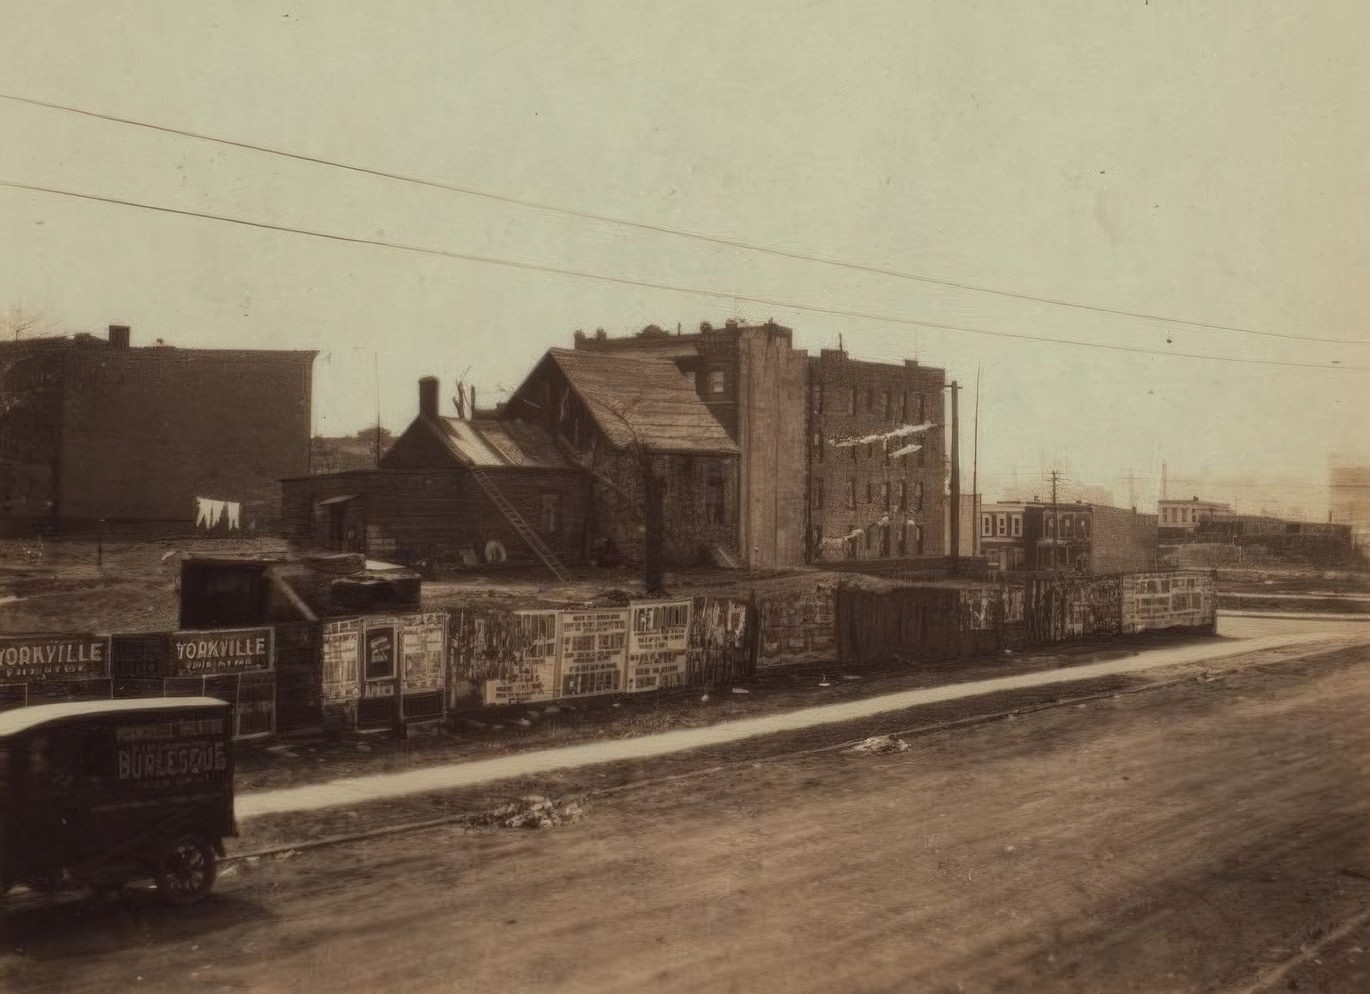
(1335, 365)
(585, 215)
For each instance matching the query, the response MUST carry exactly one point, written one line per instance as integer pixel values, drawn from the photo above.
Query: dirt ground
(315, 759)
(1190, 839)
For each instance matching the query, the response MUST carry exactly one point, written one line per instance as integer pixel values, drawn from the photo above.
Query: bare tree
(648, 503)
(24, 322)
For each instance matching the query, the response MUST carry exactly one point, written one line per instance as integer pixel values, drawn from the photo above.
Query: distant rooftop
(642, 398)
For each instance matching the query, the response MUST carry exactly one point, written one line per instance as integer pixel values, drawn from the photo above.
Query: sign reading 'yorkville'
(221, 652)
(66, 657)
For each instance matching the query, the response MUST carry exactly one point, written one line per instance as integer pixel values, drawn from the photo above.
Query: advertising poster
(532, 675)
(378, 652)
(341, 662)
(594, 650)
(423, 639)
(658, 639)
(220, 652)
(53, 657)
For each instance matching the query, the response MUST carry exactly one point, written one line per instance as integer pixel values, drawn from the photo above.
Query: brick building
(877, 465)
(752, 381)
(838, 458)
(766, 457)
(1180, 519)
(1082, 538)
(93, 430)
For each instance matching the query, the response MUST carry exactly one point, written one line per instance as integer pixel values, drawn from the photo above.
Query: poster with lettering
(594, 652)
(178, 751)
(532, 675)
(213, 653)
(341, 660)
(378, 651)
(53, 657)
(657, 643)
(423, 640)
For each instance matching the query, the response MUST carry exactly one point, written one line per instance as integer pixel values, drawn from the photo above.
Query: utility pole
(955, 482)
(1055, 521)
(975, 474)
(376, 367)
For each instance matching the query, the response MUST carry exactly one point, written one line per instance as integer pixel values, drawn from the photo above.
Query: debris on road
(880, 744)
(741, 690)
(534, 811)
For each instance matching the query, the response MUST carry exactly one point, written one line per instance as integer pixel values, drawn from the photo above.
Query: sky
(1194, 160)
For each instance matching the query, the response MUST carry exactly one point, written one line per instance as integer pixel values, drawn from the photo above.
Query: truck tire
(185, 870)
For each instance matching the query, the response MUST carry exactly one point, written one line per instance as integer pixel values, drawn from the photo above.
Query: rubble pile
(534, 811)
(879, 745)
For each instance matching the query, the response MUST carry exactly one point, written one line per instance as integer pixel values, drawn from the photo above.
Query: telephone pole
(955, 482)
(975, 475)
(1055, 523)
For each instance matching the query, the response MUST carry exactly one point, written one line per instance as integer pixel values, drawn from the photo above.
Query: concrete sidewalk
(377, 787)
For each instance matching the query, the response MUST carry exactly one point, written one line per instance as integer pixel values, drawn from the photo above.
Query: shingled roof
(644, 399)
(492, 443)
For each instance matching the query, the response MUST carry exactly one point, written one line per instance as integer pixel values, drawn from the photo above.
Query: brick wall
(849, 398)
(146, 431)
(1122, 541)
(771, 387)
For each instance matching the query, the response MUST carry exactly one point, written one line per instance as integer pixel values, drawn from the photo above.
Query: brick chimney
(118, 336)
(428, 397)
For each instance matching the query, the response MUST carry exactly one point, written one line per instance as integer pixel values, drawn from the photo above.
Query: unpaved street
(1182, 840)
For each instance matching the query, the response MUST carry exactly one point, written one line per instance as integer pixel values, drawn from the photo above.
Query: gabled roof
(493, 443)
(648, 400)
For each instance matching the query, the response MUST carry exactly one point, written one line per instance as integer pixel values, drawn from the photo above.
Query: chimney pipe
(428, 397)
(118, 336)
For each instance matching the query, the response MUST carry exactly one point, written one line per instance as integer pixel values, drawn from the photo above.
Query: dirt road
(1184, 840)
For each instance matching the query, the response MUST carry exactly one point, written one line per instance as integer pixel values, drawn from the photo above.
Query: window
(1084, 527)
(818, 493)
(922, 410)
(903, 415)
(987, 525)
(1001, 521)
(868, 538)
(918, 496)
(903, 496)
(818, 446)
(885, 495)
(816, 398)
(551, 514)
(690, 375)
(903, 534)
(718, 382)
(884, 403)
(886, 447)
(853, 452)
(1017, 526)
(917, 540)
(870, 492)
(851, 401)
(715, 500)
(870, 400)
(851, 493)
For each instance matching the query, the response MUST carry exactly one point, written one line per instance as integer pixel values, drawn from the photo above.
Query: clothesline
(900, 432)
(210, 512)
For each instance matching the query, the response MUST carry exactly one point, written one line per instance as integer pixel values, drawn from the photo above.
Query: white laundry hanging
(216, 511)
(233, 508)
(202, 511)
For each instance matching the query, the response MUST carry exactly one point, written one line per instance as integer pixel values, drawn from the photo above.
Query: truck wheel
(185, 870)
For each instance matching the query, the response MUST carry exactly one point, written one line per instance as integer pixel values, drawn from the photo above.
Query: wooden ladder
(525, 530)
